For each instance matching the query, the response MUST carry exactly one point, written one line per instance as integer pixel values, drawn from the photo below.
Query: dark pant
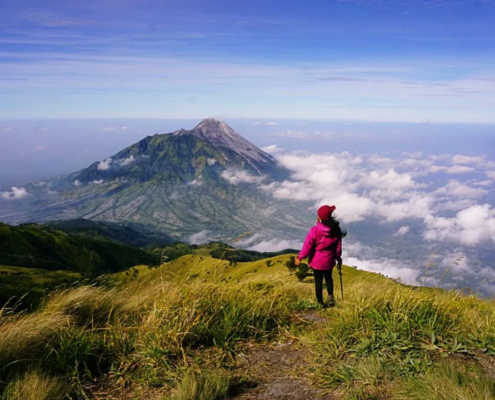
(319, 275)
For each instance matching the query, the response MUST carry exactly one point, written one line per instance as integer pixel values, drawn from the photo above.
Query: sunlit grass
(378, 343)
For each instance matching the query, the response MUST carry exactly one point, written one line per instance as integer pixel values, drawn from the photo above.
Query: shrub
(291, 264)
(302, 271)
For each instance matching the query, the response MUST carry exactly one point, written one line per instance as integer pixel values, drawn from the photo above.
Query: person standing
(323, 248)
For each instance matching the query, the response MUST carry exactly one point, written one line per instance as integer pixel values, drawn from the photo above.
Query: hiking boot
(331, 301)
(322, 304)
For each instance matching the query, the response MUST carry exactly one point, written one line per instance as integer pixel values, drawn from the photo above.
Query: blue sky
(388, 60)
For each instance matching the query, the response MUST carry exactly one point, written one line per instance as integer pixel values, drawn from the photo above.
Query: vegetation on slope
(177, 331)
(129, 234)
(36, 246)
(30, 285)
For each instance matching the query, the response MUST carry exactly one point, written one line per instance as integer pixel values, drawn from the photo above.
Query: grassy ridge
(36, 246)
(31, 283)
(176, 330)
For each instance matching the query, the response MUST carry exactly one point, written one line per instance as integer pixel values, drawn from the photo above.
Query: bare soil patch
(279, 369)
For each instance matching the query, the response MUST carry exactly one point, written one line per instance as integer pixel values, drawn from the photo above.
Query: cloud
(40, 148)
(293, 134)
(105, 165)
(454, 188)
(108, 129)
(273, 149)
(77, 183)
(124, 128)
(199, 238)
(15, 193)
(359, 186)
(490, 174)
(265, 123)
(363, 257)
(97, 182)
(125, 161)
(461, 159)
(259, 242)
(195, 182)
(236, 176)
(483, 183)
(437, 168)
(211, 161)
(402, 230)
(460, 169)
(469, 227)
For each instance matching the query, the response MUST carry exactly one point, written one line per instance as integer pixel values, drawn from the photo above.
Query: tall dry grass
(36, 386)
(147, 329)
(387, 332)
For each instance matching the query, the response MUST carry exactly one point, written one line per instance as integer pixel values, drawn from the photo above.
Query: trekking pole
(339, 267)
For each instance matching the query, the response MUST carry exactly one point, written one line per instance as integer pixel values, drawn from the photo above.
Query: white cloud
(276, 245)
(125, 161)
(15, 193)
(97, 182)
(490, 174)
(273, 149)
(105, 165)
(483, 183)
(40, 148)
(235, 176)
(459, 169)
(211, 161)
(265, 123)
(108, 129)
(77, 183)
(293, 134)
(457, 189)
(437, 168)
(471, 226)
(199, 238)
(461, 159)
(124, 128)
(402, 230)
(195, 182)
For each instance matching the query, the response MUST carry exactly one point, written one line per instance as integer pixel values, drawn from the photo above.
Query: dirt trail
(279, 370)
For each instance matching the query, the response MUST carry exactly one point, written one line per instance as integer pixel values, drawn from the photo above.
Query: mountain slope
(129, 234)
(184, 182)
(35, 246)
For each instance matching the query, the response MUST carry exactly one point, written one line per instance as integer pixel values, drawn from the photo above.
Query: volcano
(207, 179)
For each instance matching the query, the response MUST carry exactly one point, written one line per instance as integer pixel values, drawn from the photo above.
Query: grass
(31, 284)
(177, 329)
(208, 386)
(147, 331)
(36, 386)
(397, 333)
(450, 381)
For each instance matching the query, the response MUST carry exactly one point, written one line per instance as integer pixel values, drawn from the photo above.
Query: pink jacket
(322, 248)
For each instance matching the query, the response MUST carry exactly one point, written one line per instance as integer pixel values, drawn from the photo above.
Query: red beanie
(325, 212)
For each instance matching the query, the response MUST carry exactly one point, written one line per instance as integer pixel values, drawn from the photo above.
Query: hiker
(323, 246)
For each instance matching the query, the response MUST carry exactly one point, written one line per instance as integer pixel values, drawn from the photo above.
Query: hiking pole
(339, 267)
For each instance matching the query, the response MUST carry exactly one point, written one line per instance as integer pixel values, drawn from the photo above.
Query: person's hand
(297, 262)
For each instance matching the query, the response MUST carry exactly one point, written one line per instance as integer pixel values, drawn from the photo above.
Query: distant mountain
(204, 179)
(38, 246)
